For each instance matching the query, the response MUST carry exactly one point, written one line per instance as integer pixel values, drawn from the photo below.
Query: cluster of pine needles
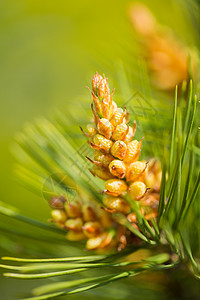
(52, 160)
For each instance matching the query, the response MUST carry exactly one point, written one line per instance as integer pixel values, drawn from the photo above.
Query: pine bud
(117, 168)
(97, 104)
(115, 158)
(134, 170)
(119, 149)
(116, 204)
(101, 173)
(150, 179)
(132, 217)
(92, 229)
(91, 129)
(120, 132)
(113, 108)
(58, 215)
(95, 82)
(117, 117)
(101, 143)
(132, 153)
(103, 89)
(74, 224)
(94, 243)
(105, 128)
(57, 202)
(73, 209)
(103, 159)
(130, 134)
(115, 187)
(137, 190)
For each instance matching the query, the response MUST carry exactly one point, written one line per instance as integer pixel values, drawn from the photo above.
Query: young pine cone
(85, 221)
(116, 153)
(115, 160)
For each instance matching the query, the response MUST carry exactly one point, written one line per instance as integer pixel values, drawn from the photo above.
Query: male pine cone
(116, 153)
(126, 178)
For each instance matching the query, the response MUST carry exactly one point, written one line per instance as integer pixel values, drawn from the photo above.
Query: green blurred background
(49, 50)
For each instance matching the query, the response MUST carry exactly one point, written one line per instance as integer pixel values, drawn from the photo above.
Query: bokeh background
(49, 51)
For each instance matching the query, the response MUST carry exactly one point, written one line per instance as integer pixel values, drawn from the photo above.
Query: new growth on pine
(127, 179)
